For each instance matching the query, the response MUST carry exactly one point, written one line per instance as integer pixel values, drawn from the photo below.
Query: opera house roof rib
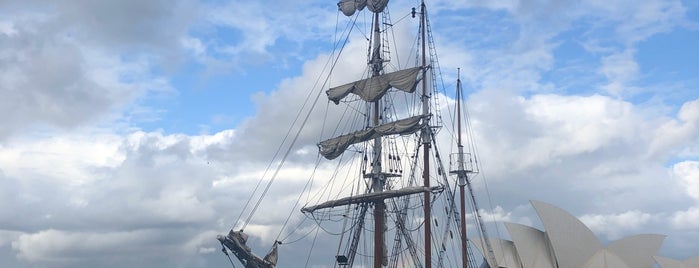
(572, 242)
(504, 251)
(532, 246)
(568, 243)
(638, 250)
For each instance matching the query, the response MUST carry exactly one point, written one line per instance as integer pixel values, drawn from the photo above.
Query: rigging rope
(308, 258)
(298, 132)
(223, 248)
(288, 218)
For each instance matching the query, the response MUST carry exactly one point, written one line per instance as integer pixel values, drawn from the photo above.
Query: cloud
(66, 65)
(151, 26)
(6, 237)
(616, 226)
(243, 33)
(644, 20)
(62, 245)
(672, 133)
(574, 126)
(687, 219)
(49, 83)
(688, 174)
(593, 150)
(620, 69)
(135, 198)
(498, 214)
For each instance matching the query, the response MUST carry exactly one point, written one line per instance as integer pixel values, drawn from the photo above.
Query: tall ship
(403, 160)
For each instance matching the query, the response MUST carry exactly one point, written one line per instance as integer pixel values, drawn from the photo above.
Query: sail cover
(372, 89)
(372, 197)
(376, 6)
(334, 147)
(348, 7)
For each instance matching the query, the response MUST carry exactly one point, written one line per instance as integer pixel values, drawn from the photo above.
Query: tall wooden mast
(426, 140)
(462, 174)
(462, 171)
(378, 179)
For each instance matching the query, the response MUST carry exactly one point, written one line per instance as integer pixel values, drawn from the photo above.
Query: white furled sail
(376, 6)
(372, 197)
(372, 89)
(334, 147)
(348, 7)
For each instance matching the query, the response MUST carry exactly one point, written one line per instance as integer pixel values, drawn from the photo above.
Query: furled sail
(376, 6)
(371, 197)
(372, 89)
(348, 7)
(334, 147)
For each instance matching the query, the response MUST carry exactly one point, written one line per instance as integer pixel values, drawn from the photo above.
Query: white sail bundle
(348, 7)
(372, 89)
(372, 197)
(334, 147)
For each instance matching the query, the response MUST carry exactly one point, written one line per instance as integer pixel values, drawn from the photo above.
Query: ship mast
(378, 179)
(461, 174)
(426, 140)
(372, 90)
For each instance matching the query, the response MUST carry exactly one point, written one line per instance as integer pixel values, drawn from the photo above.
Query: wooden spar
(372, 197)
(426, 146)
(461, 174)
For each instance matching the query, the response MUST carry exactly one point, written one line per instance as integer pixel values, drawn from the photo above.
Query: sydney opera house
(567, 243)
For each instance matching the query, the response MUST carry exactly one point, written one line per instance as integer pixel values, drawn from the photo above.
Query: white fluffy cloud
(688, 174)
(131, 197)
(65, 65)
(597, 153)
(687, 219)
(670, 135)
(616, 226)
(552, 128)
(64, 245)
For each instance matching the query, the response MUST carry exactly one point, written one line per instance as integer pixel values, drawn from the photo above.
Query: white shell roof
(604, 258)
(572, 242)
(638, 250)
(672, 263)
(504, 250)
(569, 243)
(532, 246)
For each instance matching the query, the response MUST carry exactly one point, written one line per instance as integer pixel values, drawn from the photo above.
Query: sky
(131, 132)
